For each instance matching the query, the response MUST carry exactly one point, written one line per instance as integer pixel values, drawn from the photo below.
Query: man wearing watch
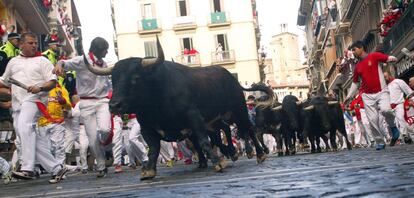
(35, 71)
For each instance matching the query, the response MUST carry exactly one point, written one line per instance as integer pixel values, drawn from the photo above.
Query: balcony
(402, 30)
(347, 9)
(403, 66)
(184, 23)
(218, 19)
(149, 26)
(34, 14)
(334, 77)
(192, 60)
(223, 58)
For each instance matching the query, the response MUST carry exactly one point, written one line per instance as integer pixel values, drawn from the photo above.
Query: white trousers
(128, 138)
(97, 120)
(375, 104)
(83, 148)
(405, 129)
(57, 140)
(167, 150)
(34, 146)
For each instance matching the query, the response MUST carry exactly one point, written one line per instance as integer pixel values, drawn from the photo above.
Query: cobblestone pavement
(357, 173)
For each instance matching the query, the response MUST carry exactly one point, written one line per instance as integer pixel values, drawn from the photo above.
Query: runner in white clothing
(93, 91)
(35, 72)
(398, 88)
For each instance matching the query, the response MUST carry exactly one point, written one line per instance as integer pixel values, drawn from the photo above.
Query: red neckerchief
(37, 53)
(95, 62)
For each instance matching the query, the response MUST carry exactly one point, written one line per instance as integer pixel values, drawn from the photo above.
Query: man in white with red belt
(398, 88)
(34, 71)
(93, 91)
(369, 78)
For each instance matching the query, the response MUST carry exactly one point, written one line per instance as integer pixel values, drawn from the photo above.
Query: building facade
(332, 26)
(196, 33)
(286, 74)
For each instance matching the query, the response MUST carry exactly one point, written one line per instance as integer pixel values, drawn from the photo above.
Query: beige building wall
(288, 76)
(240, 32)
(286, 62)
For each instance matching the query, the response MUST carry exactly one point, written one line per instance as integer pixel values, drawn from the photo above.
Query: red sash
(42, 108)
(408, 119)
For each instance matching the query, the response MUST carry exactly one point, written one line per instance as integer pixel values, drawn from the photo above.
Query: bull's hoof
(319, 150)
(266, 150)
(235, 157)
(202, 164)
(221, 165)
(280, 154)
(313, 151)
(148, 174)
(261, 158)
(250, 155)
(349, 146)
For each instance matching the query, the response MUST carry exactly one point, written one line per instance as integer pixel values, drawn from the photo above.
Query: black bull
(174, 101)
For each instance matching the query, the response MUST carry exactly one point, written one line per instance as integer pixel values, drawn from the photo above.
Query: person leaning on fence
(34, 71)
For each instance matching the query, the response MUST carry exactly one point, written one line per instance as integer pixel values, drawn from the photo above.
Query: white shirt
(87, 83)
(397, 89)
(29, 71)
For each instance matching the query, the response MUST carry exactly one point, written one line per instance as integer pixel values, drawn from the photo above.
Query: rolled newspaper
(18, 83)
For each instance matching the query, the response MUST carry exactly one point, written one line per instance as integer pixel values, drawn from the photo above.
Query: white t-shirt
(29, 71)
(87, 83)
(397, 90)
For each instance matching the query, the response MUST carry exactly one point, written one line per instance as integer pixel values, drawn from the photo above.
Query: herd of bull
(174, 102)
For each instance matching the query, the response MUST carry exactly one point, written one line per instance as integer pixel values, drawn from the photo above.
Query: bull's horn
(152, 61)
(308, 108)
(100, 71)
(332, 102)
(298, 102)
(277, 108)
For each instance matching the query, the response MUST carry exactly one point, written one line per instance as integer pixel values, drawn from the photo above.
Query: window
(222, 39)
(217, 5)
(339, 42)
(147, 11)
(150, 49)
(182, 5)
(186, 43)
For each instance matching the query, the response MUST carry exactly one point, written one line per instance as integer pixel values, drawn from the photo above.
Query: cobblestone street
(360, 172)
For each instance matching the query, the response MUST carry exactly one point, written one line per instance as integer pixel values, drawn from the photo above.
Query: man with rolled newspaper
(31, 78)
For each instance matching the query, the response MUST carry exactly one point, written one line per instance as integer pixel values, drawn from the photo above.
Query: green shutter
(149, 24)
(218, 17)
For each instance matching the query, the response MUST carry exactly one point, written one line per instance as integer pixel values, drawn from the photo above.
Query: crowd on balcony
(392, 14)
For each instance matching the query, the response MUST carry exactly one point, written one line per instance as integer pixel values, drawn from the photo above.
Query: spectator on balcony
(186, 57)
(193, 54)
(219, 52)
(375, 93)
(332, 9)
(5, 30)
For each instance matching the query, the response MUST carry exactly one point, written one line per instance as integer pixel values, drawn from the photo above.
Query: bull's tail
(267, 90)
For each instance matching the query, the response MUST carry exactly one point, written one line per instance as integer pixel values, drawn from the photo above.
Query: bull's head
(128, 81)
